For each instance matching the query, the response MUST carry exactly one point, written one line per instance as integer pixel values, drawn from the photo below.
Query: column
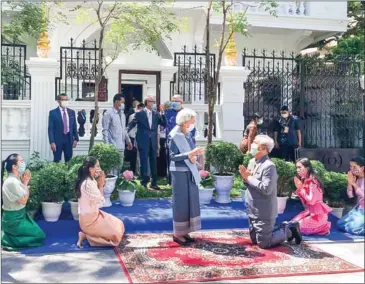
(167, 73)
(43, 72)
(362, 82)
(232, 94)
(112, 74)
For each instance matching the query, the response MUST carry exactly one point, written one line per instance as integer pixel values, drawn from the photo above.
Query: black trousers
(145, 155)
(288, 152)
(132, 157)
(162, 159)
(64, 146)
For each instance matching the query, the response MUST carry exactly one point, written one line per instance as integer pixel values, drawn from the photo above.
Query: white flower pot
(338, 212)
(74, 209)
(282, 204)
(126, 197)
(223, 186)
(205, 195)
(51, 211)
(109, 187)
(243, 194)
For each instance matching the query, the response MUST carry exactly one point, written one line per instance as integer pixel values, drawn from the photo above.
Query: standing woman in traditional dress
(353, 222)
(314, 219)
(98, 227)
(18, 229)
(250, 133)
(185, 177)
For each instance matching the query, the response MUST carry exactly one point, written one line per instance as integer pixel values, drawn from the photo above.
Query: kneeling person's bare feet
(82, 238)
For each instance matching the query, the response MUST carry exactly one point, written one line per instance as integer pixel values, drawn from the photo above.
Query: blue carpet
(155, 216)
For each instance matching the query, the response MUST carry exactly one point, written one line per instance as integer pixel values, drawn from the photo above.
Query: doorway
(131, 93)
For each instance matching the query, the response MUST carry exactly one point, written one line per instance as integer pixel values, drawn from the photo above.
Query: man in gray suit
(261, 198)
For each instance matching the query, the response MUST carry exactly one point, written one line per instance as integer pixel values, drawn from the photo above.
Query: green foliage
(130, 185)
(225, 157)
(356, 16)
(50, 184)
(246, 159)
(286, 172)
(76, 160)
(70, 181)
(108, 156)
(35, 162)
(319, 169)
(207, 182)
(34, 200)
(335, 185)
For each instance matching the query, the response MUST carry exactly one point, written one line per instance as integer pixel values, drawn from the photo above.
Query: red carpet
(220, 255)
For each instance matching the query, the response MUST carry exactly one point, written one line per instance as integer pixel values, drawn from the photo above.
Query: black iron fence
(189, 80)
(325, 94)
(79, 67)
(15, 80)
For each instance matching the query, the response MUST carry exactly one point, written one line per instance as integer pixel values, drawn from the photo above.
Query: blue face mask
(175, 105)
(21, 168)
(121, 107)
(154, 107)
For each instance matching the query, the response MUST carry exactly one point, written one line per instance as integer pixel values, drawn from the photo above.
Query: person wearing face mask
(261, 198)
(287, 134)
(162, 146)
(18, 229)
(250, 133)
(185, 178)
(62, 130)
(115, 130)
(353, 222)
(147, 122)
(314, 219)
(133, 154)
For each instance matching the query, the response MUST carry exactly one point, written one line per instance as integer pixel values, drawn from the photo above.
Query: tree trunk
(96, 117)
(208, 78)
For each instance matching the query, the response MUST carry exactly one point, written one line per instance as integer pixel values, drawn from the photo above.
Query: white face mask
(254, 149)
(285, 115)
(260, 121)
(64, 104)
(121, 107)
(191, 127)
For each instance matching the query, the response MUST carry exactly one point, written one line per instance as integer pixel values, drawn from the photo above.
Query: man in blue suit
(147, 122)
(62, 130)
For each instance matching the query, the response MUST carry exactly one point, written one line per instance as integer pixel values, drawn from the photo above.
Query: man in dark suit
(261, 198)
(62, 130)
(147, 122)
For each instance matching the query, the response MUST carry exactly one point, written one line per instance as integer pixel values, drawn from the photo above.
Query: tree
(120, 25)
(237, 22)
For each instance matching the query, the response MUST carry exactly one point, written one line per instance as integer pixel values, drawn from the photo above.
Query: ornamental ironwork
(15, 79)
(324, 93)
(79, 67)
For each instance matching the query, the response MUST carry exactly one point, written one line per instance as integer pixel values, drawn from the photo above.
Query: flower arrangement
(128, 182)
(207, 179)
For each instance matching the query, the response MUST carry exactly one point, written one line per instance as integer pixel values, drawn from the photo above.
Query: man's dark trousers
(64, 146)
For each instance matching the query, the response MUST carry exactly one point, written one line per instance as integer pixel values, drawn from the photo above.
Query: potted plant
(34, 202)
(206, 187)
(334, 185)
(109, 159)
(50, 187)
(127, 189)
(70, 194)
(286, 172)
(225, 158)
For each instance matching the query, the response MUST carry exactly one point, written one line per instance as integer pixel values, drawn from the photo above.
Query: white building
(24, 121)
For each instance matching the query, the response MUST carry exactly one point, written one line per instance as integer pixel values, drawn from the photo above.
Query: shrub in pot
(127, 189)
(334, 184)
(206, 187)
(109, 158)
(50, 187)
(225, 157)
(76, 160)
(70, 194)
(286, 172)
(34, 202)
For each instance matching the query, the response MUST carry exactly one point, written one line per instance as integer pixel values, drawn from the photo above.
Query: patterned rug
(219, 255)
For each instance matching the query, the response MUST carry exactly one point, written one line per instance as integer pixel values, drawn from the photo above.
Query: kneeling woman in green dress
(18, 229)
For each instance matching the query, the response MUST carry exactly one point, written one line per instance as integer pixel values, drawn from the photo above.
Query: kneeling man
(261, 198)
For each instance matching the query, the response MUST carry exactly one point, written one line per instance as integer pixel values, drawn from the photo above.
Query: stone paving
(103, 267)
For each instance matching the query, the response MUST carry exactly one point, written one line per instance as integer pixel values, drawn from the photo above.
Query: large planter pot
(109, 187)
(338, 212)
(223, 186)
(51, 211)
(126, 197)
(205, 195)
(74, 209)
(282, 204)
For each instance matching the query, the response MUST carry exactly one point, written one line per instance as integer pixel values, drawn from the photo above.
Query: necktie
(64, 118)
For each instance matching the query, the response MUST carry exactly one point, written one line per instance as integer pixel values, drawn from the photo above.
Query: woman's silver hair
(185, 115)
(265, 140)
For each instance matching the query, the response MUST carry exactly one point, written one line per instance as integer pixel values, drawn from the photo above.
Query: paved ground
(97, 267)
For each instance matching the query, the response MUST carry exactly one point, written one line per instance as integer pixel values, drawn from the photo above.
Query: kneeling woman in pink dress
(98, 227)
(314, 219)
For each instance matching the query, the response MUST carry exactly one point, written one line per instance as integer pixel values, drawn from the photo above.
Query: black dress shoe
(189, 239)
(295, 230)
(155, 187)
(180, 242)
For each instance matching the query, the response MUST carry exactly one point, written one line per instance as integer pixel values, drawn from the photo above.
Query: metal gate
(15, 80)
(325, 94)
